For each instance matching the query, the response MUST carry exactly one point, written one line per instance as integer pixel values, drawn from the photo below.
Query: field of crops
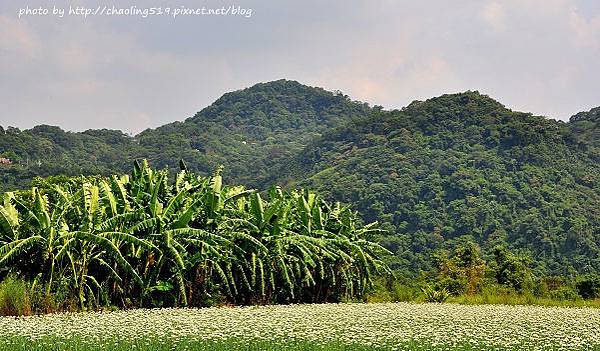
(393, 326)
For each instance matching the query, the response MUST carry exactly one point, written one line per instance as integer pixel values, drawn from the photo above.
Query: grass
(522, 300)
(490, 295)
(14, 297)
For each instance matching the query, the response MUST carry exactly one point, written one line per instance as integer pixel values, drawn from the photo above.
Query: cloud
(587, 32)
(493, 14)
(132, 73)
(17, 39)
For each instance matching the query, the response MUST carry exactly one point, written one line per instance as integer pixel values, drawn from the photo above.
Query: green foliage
(504, 278)
(390, 288)
(435, 294)
(435, 172)
(254, 132)
(463, 272)
(511, 270)
(564, 293)
(463, 165)
(146, 240)
(48, 151)
(588, 286)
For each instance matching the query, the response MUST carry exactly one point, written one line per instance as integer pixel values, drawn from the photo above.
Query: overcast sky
(131, 73)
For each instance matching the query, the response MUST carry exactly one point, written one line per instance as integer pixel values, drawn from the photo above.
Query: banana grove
(153, 240)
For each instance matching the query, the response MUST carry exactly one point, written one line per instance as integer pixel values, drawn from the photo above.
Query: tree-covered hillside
(586, 126)
(463, 167)
(453, 168)
(251, 132)
(48, 150)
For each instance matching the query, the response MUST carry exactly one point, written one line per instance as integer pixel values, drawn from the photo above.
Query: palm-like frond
(15, 248)
(195, 235)
(9, 221)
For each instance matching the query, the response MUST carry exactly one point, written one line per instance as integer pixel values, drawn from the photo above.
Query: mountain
(48, 150)
(592, 115)
(252, 131)
(463, 167)
(436, 173)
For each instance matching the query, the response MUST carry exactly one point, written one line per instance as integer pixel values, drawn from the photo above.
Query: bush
(435, 294)
(588, 286)
(14, 297)
(453, 286)
(564, 293)
(511, 270)
(462, 272)
(391, 289)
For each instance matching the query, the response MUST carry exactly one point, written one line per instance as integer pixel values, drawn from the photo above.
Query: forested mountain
(586, 125)
(463, 166)
(48, 150)
(253, 132)
(436, 173)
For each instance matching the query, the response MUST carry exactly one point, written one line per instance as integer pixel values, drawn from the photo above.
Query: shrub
(512, 270)
(564, 293)
(453, 286)
(392, 289)
(588, 286)
(435, 294)
(463, 271)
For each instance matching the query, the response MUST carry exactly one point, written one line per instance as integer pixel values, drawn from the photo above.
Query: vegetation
(478, 204)
(148, 240)
(47, 151)
(466, 276)
(14, 297)
(462, 168)
(252, 132)
(438, 173)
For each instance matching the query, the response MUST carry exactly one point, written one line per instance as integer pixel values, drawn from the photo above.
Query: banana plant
(136, 238)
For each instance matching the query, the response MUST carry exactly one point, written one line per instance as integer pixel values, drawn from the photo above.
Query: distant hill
(453, 168)
(460, 167)
(252, 131)
(48, 150)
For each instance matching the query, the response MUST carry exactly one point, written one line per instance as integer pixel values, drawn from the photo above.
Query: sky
(128, 72)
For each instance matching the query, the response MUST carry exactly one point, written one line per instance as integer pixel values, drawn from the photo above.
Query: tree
(511, 270)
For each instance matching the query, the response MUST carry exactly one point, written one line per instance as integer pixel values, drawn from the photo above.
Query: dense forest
(252, 132)
(438, 173)
(462, 167)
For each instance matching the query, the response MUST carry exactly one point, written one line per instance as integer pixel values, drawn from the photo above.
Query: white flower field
(389, 326)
